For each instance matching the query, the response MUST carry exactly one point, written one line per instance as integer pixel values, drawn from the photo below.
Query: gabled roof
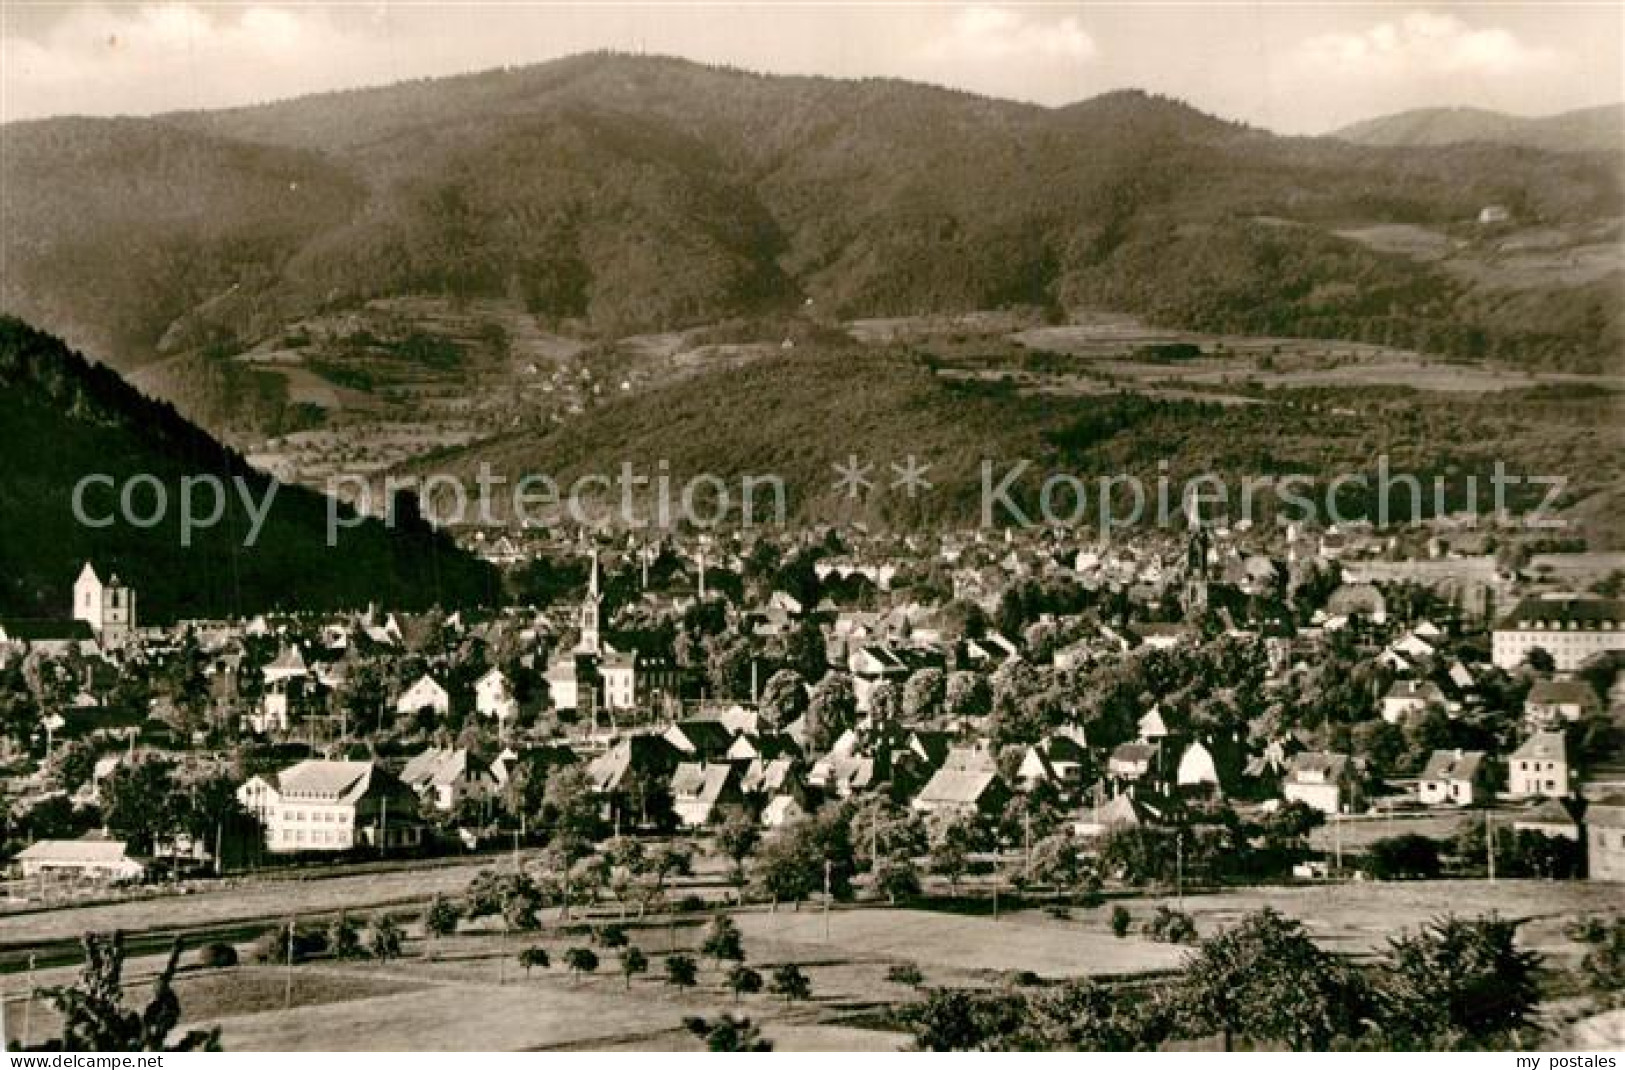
(1544, 746)
(1607, 812)
(1318, 765)
(320, 780)
(90, 851)
(701, 782)
(1453, 765)
(1561, 693)
(958, 786)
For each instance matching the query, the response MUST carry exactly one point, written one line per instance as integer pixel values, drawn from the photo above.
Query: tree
(384, 938)
(441, 917)
(950, 850)
(581, 960)
(1121, 921)
(610, 936)
(534, 958)
(924, 693)
(723, 940)
(784, 698)
(1169, 926)
(743, 981)
(681, 971)
(791, 983)
(344, 939)
(905, 973)
(896, 877)
(513, 897)
(967, 695)
(138, 802)
(1456, 981)
(959, 1020)
(728, 1033)
(1410, 855)
(570, 809)
(736, 839)
(1265, 979)
(633, 961)
(95, 1019)
(831, 710)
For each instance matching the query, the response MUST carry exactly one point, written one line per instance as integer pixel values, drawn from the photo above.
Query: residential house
(1331, 783)
(493, 697)
(1540, 767)
(1551, 817)
(425, 694)
(1554, 702)
(1410, 698)
(782, 810)
(700, 740)
(962, 790)
(90, 858)
(447, 777)
(1454, 778)
(1605, 839)
(702, 792)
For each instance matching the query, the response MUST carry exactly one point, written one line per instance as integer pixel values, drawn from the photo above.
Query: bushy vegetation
(1455, 984)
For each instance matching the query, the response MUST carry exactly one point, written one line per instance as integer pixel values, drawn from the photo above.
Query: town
(968, 761)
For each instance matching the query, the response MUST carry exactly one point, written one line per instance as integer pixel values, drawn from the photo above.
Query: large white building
(1571, 628)
(109, 608)
(320, 805)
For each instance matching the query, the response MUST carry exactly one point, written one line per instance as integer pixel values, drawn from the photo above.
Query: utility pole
(827, 897)
(28, 1008)
(287, 986)
(1179, 867)
(1489, 843)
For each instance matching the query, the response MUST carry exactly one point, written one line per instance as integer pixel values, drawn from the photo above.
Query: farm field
(1359, 917)
(467, 991)
(962, 947)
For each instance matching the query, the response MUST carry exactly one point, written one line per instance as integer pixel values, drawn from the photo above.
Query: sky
(1290, 67)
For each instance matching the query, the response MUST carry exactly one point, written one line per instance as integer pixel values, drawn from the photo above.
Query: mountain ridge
(1596, 129)
(614, 194)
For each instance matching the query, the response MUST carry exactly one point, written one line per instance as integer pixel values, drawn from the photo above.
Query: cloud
(1422, 45)
(154, 57)
(984, 34)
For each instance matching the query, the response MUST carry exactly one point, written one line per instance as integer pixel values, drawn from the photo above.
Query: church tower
(591, 608)
(108, 608)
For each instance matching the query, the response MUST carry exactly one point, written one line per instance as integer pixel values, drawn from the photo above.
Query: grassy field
(955, 947)
(467, 992)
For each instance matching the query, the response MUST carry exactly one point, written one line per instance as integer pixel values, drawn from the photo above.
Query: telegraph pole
(1179, 867)
(287, 986)
(827, 897)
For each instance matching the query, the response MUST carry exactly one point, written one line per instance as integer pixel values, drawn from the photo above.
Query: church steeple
(590, 642)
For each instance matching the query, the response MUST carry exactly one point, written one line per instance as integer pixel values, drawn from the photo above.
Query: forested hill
(66, 418)
(615, 194)
(1600, 129)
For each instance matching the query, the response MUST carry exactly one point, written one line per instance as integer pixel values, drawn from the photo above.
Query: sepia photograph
(811, 526)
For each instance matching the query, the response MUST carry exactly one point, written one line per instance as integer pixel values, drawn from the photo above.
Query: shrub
(534, 958)
(1121, 920)
(1170, 926)
(216, 956)
(791, 983)
(905, 973)
(681, 971)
